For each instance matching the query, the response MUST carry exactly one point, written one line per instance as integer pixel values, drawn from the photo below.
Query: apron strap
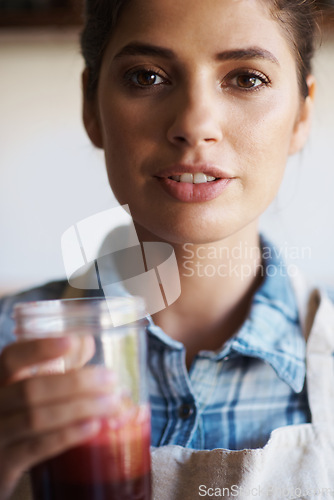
(303, 292)
(320, 360)
(316, 314)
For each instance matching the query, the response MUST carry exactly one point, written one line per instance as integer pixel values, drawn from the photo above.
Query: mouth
(194, 173)
(194, 184)
(196, 178)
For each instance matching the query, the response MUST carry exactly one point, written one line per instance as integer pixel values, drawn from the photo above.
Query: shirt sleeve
(6, 323)
(49, 291)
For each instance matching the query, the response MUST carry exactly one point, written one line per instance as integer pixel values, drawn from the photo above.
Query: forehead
(199, 25)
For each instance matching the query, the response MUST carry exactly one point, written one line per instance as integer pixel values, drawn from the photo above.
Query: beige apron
(298, 460)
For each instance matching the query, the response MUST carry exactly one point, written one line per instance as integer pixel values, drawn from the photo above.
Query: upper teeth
(197, 178)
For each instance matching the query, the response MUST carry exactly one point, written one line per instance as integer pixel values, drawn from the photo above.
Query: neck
(218, 281)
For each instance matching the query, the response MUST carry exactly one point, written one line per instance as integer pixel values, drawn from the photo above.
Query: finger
(19, 355)
(25, 454)
(81, 351)
(43, 390)
(44, 419)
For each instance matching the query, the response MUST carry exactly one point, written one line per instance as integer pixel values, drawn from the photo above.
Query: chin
(182, 233)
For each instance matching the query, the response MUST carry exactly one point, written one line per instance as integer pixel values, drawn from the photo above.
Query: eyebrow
(143, 49)
(249, 53)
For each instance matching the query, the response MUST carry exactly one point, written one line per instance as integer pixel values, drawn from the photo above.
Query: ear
(90, 114)
(303, 123)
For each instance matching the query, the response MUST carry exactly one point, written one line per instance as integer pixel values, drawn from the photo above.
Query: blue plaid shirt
(236, 397)
(232, 398)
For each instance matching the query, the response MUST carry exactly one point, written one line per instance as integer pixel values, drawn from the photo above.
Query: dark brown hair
(100, 18)
(297, 19)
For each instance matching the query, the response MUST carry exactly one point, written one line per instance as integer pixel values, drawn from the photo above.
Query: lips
(207, 169)
(194, 183)
(196, 178)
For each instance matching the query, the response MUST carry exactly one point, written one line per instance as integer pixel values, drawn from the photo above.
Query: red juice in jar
(115, 465)
(110, 333)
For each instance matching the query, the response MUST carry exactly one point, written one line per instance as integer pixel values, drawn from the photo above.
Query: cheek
(264, 134)
(118, 124)
(122, 140)
(261, 148)
(128, 136)
(123, 118)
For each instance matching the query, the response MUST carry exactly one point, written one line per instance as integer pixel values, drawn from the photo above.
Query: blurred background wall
(51, 177)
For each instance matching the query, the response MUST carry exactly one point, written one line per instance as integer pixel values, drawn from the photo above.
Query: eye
(144, 78)
(247, 80)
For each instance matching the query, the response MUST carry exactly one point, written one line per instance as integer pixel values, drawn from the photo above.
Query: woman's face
(197, 88)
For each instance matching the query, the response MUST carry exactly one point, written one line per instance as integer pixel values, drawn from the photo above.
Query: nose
(195, 121)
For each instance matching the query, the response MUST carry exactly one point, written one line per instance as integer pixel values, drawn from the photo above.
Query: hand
(46, 414)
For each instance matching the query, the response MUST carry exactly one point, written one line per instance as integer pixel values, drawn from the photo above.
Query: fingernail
(105, 376)
(62, 342)
(120, 418)
(114, 423)
(90, 427)
(108, 402)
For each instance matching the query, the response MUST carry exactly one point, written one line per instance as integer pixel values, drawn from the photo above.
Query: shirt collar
(272, 330)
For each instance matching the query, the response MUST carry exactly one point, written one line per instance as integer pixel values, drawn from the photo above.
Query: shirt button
(185, 411)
